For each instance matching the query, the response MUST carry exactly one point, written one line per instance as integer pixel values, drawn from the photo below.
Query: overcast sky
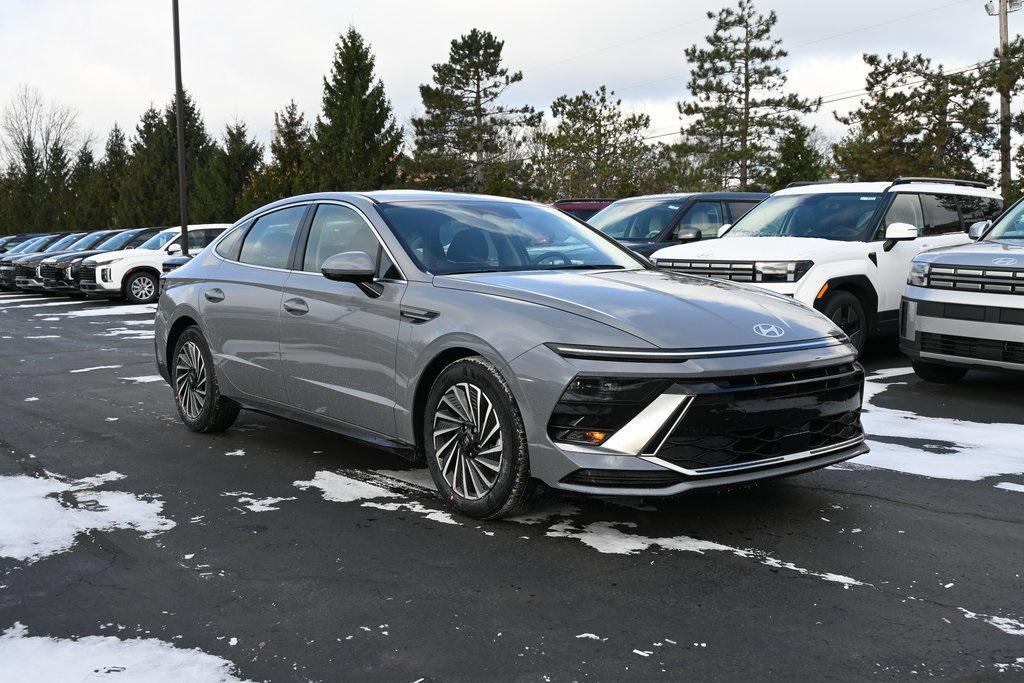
(245, 59)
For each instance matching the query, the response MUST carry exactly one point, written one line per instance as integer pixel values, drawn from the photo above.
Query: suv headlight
(781, 271)
(109, 261)
(918, 275)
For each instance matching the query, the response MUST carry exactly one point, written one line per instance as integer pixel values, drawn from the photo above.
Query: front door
(339, 339)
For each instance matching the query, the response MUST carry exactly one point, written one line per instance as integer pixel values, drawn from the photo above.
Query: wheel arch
(858, 285)
(181, 324)
(424, 382)
(137, 269)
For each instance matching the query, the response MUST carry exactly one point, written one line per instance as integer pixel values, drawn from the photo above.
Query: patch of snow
(96, 367)
(31, 398)
(44, 336)
(418, 508)
(143, 379)
(49, 303)
(591, 636)
(43, 658)
(246, 500)
(240, 451)
(1010, 486)
(138, 309)
(338, 488)
(1013, 627)
(41, 516)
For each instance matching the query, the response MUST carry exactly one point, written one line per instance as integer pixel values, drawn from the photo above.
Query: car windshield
(118, 240)
(27, 246)
(1010, 226)
(449, 237)
(636, 219)
(88, 241)
(158, 240)
(63, 243)
(826, 215)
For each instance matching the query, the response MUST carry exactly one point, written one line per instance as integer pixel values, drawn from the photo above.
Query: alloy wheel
(467, 440)
(190, 380)
(143, 288)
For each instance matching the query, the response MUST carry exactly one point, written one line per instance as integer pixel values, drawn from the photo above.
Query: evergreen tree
(595, 149)
(356, 141)
(465, 138)
(799, 158)
(285, 175)
(228, 171)
(917, 120)
(55, 211)
(149, 189)
(737, 109)
(90, 200)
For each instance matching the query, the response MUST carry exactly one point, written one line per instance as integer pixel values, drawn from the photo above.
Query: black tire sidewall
(481, 373)
(205, 418)
(841, 298)
(128, 288)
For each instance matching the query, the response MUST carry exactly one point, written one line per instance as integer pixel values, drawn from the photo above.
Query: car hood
(668, 310)
(762, 249)
(107, 256)
(36, 259)
(14, 258)
(72, 255)
(992, 253)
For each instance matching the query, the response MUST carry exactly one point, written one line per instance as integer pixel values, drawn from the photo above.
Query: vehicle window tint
(139, 239)
(705, 216)
(230, 245)
(636, 219)
(905, 208)
(386, 268)
(940, 214)
(199, 239)
(738, 210)
(974, 209)
(335, 230)
(269, 242)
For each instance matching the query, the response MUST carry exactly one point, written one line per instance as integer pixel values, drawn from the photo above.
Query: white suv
(134, 274)
(843, 248)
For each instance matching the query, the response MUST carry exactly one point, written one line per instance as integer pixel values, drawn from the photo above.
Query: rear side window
(974, 209)
(738, 210)
(940, 214)
(335, 230)
(269, 242)
(232, 244)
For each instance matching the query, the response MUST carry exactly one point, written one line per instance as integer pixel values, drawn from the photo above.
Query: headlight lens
(781, 271)
(918, 275)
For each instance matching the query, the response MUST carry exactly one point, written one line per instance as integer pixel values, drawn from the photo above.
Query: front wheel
(847, 312)
(142, 288)
(196, 391)
(938, 373)
(475, 441)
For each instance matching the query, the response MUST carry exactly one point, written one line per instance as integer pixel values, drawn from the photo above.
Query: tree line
(739, 128)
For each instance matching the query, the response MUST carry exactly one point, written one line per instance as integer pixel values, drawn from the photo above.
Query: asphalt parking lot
(288, 553)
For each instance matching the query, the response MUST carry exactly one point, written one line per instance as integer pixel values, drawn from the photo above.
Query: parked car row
(121, 264)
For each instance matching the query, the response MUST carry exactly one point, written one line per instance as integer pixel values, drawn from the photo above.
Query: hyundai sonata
(504, 343)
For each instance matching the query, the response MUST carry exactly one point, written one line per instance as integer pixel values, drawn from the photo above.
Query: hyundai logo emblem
(768, 330)
(1005, 261)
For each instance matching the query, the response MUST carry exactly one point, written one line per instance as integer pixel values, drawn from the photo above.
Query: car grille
(993, 280)
(970, 347)
(87, 273)
(740, 271)
(21, 270)
(623, 479)
(736, 421)
(49, 272)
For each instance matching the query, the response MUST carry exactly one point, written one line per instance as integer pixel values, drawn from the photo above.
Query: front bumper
(708, 425)
(966, 329)
(31, 284)
(98, 280)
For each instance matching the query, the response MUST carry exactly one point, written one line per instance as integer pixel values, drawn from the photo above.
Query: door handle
(214, 295)
(296, 306)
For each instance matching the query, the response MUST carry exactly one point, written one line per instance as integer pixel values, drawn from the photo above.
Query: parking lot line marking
(1008, 486)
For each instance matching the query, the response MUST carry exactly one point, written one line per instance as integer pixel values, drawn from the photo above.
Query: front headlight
(918, 275)
(109, 261)
(781, 271)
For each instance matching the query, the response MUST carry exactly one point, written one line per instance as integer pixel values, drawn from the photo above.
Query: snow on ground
(96, 367)
(143, 379)
(339, 488)
(49, 303)
(43, 658)
(135, 309)
(246, 500)
(951, 449)
(1007, 625)
(41, 516)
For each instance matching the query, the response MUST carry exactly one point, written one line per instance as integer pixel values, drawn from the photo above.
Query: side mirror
(687, 235)
(350, 266)
(899, 232)
(174, 248)
(724, 229)
(978, 229)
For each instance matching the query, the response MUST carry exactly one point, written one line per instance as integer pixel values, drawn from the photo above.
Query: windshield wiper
(585, 266)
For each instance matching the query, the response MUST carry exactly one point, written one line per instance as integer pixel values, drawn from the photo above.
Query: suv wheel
(475, 441)
(938, 373)
(196, 392)
(846, 311)
(142, 288)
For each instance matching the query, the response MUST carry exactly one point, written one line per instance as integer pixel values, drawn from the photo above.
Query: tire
(458, 454)
(938, 373)
(142, 288)
(196, 391)
(847, 311)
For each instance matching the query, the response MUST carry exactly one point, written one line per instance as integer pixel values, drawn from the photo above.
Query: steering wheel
(551, 255)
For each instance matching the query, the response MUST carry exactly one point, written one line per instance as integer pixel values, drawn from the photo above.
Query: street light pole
(179, 115)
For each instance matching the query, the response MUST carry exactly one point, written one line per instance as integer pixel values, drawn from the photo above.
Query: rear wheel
(475, 441)
(847, 312)
(938, 373)
(196, 391)
(142, 288)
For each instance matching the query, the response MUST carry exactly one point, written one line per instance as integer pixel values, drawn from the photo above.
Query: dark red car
(581, 208)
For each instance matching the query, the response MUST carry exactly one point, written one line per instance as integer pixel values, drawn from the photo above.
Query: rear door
(339, 339)
(241, 303)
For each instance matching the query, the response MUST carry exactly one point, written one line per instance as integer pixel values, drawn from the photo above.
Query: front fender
(861, 270)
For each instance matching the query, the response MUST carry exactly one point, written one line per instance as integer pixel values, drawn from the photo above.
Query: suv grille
(21, 270)
(49, 272)
(994, 280)
(87, 273)
(732, 421)
(741, 271)
(969, 347)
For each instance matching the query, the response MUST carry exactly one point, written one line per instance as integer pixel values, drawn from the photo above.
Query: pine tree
(356, 141)
(595, 149)
(466, 137)
(55, 211)
(228, 171)
(800, 158)
(90, 205)
(917, 120)
(284, 175)
(737, 109)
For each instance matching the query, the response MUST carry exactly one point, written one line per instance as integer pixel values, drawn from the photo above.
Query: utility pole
(1003, 86)
(179, 115)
